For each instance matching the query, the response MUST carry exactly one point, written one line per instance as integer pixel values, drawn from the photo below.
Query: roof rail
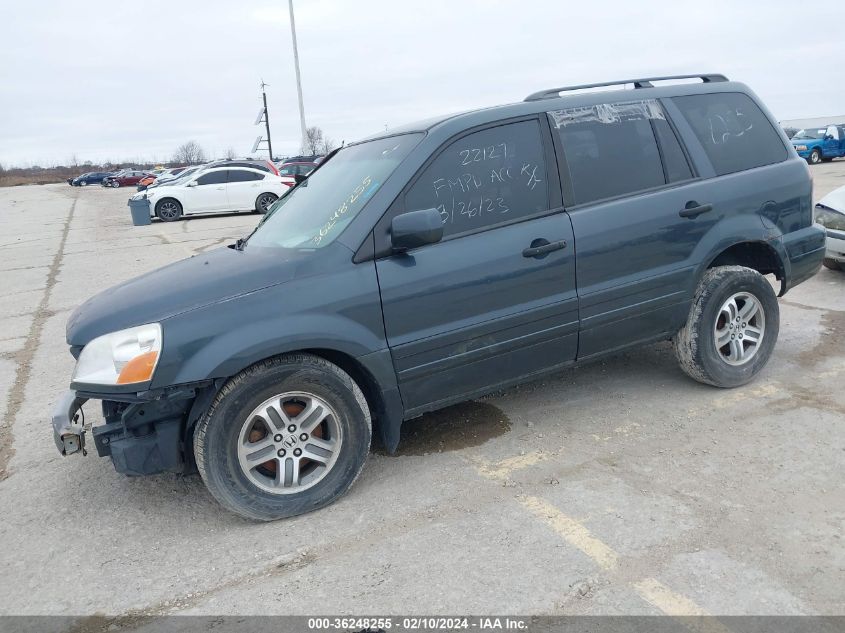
(638, 83)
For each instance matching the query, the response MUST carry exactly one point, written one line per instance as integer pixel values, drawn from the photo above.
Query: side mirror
(415, 228)
(298, 178)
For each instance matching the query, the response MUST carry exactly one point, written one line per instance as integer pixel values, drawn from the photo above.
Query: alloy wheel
(265, 200)
(168, 210)
(289, 442)
(739, 328)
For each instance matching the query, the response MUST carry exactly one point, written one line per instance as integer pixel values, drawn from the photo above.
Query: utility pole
(263, 116)
(267, 120)
(298, 78)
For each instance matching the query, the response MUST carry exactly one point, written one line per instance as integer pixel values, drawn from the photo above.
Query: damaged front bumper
(144, 432)
(68, 431)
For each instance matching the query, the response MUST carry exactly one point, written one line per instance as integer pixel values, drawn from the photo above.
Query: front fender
(339, 311)
(232, 351)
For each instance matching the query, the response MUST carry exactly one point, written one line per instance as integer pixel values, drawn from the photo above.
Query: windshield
(314, 213)
(181, 177)
(810, 133)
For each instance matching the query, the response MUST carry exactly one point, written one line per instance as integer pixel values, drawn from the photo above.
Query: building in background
(791, 126)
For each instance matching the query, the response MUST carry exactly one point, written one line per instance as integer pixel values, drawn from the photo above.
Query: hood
(201, 280)
(809, 142)
(834, 200)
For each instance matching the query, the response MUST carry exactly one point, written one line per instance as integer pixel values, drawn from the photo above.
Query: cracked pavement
(620, 487)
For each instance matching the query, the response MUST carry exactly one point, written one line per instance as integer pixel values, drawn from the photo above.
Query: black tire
(217, 433)
(695, 344)
(115, 184)
(168, 210)
(263, 201)
(832, 264)
(83, 183)
(815, 157)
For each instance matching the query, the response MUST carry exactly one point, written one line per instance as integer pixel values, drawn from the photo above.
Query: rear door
(477, 309)
(626, 180)
(243, 188)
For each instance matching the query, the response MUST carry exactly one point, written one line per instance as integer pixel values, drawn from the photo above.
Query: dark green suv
(442, 260)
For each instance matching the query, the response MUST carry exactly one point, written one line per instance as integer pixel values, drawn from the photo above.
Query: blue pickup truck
(820, 144)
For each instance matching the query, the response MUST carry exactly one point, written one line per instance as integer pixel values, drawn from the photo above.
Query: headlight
(800, 148)
(120, 358)
(149, 194)
(829, 218)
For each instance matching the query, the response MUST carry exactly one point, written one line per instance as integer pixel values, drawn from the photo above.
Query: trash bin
(140, 211)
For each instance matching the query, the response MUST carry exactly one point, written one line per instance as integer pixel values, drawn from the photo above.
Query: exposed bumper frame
(68, 432)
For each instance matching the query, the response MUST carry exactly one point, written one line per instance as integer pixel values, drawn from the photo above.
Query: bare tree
(328, 146)
(190, 153)
(230, 153)
(313, 141)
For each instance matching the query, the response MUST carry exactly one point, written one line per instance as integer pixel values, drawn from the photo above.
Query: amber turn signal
(139, 369)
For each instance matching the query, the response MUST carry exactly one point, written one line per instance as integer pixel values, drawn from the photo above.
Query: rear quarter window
(734, 132)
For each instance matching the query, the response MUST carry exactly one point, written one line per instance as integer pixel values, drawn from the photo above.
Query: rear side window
(734, 132)
(611, 149)
(486, 178)
(242, 175)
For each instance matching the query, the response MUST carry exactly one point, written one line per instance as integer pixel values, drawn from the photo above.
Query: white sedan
(215, 190)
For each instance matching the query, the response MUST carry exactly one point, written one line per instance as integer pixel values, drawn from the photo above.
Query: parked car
(289, 171)
(437, 262)
(155, 175)
(214, 190)
(830, 213)
(263, 165)
(124, 178)
(183, 172)
(306, 158)
(820, 144)
(90, 178)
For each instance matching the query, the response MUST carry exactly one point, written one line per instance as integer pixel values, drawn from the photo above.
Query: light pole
(298, 78)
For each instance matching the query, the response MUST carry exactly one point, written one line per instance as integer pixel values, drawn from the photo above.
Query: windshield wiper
(239, 245)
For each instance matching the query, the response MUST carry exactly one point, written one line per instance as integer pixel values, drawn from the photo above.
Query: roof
(568, 97)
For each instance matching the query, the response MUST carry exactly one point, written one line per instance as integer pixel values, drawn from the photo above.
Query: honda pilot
(437, 262)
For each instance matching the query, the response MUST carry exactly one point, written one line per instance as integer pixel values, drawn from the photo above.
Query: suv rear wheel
(731, 329)
(283, 437)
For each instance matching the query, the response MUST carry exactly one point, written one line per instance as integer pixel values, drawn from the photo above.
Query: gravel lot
(620, 487)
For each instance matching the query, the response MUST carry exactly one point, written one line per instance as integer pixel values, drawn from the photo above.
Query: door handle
(692, 209)
(220, 188)
(541, 247)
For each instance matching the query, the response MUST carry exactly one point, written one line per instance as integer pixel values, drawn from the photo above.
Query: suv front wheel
(731, 329)
(285, 436)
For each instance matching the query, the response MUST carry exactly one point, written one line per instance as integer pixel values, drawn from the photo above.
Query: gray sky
(123, 81)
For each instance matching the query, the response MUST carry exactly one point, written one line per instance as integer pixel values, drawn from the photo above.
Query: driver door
(210, 193)
(480, 308)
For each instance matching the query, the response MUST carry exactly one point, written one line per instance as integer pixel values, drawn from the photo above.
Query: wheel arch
(758, 255)
(168, 197)
(385, 406)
